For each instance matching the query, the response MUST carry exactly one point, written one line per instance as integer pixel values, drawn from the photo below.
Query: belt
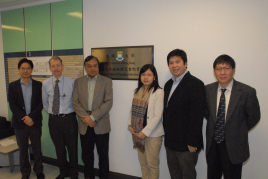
(89, 112)
(61, 115)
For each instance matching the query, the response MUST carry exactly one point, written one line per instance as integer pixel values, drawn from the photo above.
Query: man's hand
(192, 149)
(92, 124)
(27, 120)
(87, 120)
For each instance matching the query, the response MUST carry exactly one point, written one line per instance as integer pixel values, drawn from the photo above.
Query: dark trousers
(64, 134)
(22, 136)
(219, 162)
(181, 165)
(88, 142)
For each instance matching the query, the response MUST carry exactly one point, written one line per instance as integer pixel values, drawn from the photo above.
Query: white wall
(205, 30)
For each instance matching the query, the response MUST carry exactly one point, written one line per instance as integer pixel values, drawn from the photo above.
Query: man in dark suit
(25, 101)
(92, 101)
(233, 110)
(184, 103)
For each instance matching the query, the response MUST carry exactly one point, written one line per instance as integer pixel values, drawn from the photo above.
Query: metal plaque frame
(123, 63)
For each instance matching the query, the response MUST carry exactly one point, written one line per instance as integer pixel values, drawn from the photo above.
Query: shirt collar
(60, 79)
(30, 82)
(94, 78)
(179, 78)
(229, 87)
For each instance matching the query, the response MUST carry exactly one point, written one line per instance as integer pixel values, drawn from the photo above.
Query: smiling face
(25, 70)
(56, 67)
(177, 66)
(92, 67)
(224, 74)
(147, 78)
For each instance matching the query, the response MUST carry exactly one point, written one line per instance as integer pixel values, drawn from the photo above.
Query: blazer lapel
(235, 96)
(20, 95)
(85, 89)
(33, 92)
(180, 85)
(168, 88)
(213, 100)
(97, 87)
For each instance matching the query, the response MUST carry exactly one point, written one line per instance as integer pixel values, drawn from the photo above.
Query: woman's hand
(131, 130)
(140, 135)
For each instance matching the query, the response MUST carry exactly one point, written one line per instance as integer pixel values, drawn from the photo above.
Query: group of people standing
(90, 97)
(230, 107)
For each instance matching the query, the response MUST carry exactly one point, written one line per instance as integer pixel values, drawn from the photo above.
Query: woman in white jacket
(145, 121)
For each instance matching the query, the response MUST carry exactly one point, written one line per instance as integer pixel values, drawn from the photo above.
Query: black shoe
(75, 178)
(25, 177)
(60, 177)
(40, 176)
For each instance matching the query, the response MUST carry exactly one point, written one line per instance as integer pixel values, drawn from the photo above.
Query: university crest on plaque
(119, 55)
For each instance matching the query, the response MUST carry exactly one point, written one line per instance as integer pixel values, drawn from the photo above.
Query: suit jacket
(17, 106)
(101, 104)
(243, 114)
(154, 127)
(183, 118)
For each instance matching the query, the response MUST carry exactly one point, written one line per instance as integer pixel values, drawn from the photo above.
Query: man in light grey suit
(232, 110)
(92, 101)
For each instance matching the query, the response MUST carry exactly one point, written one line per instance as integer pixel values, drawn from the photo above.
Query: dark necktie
(220, 123)
(56, 99)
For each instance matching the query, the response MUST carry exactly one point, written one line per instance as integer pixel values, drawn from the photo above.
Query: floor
(50, 172)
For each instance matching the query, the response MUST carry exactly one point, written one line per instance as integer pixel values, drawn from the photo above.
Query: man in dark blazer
(184, 106)
(228, 124)
(92, 101)
(25, 101)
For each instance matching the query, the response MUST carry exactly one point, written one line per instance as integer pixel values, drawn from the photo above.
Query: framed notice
(123, 63)
(41, 65)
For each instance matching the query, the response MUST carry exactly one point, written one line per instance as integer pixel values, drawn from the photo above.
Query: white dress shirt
(227, 96)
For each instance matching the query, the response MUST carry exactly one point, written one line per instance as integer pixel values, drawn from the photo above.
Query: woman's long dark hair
(155, 83)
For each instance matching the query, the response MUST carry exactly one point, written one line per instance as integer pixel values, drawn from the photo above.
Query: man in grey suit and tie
(92, 101)
(232, 110)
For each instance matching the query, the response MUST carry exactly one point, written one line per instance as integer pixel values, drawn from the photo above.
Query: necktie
(56, 99)
(220, 122)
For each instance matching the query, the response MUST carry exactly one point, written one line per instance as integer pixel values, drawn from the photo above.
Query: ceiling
(11, 4)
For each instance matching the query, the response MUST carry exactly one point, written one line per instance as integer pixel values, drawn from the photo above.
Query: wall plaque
(123, 63)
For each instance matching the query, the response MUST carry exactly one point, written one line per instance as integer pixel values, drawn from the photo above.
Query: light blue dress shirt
(27, 95)
(66, 86)
(176, 82)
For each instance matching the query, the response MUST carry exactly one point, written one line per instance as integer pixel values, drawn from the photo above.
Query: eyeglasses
(149, 75)
(224, 68)
(26, 68)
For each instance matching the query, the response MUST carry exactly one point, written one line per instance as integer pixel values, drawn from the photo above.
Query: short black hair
(25, 60)
(224, 59)
(90, 57)
(55, 58)
(179, 53)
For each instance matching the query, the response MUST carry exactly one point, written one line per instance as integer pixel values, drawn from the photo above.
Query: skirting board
(112, 175)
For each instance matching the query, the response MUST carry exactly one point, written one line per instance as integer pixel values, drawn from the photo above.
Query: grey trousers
(181, 165)
(22, 136)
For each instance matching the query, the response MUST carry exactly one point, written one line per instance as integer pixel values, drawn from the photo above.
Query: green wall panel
(13, 30)
(67, 25)
(38, 28)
